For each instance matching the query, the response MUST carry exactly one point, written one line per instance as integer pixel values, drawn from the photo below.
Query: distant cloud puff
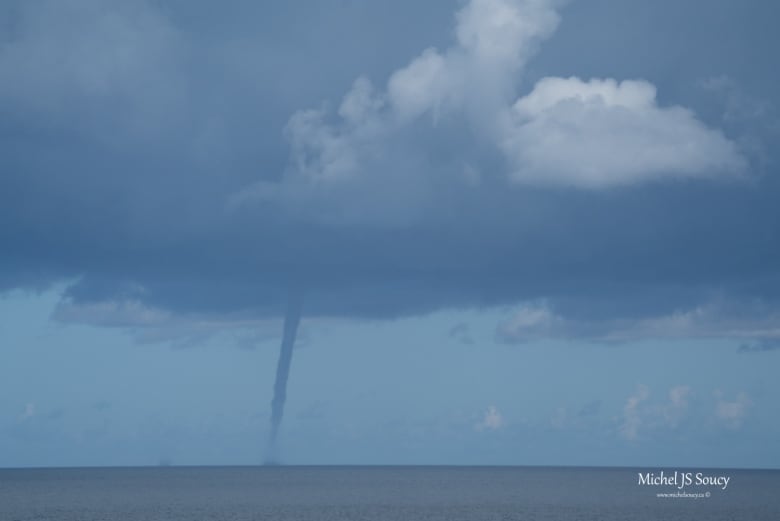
(732, 412)
(632, 418)
(677, 407)
(760, 345)
(640, 416)
(491, 421)
(29, 411)
(461, 333)
(644, 419)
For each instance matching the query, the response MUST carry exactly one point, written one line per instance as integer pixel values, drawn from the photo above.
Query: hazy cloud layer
(752, 325)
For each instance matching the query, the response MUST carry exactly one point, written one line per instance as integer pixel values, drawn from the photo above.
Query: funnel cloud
(292, 318)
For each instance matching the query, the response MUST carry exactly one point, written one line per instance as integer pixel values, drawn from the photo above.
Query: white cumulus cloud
(601, 133)
(585, 134)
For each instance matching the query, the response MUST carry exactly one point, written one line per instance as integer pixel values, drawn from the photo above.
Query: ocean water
(379, 493)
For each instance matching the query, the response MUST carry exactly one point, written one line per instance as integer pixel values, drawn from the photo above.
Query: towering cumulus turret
(291, 319)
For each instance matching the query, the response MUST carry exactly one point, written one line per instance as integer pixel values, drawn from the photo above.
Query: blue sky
(525, 232)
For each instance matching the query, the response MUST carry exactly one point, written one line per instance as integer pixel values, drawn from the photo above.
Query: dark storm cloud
(151, 157)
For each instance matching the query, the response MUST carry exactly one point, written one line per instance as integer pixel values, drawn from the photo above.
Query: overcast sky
(525, 231)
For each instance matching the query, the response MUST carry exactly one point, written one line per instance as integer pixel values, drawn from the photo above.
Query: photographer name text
(682, 479)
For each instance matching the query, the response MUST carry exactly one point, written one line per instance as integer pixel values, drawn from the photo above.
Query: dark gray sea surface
(381, 494)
